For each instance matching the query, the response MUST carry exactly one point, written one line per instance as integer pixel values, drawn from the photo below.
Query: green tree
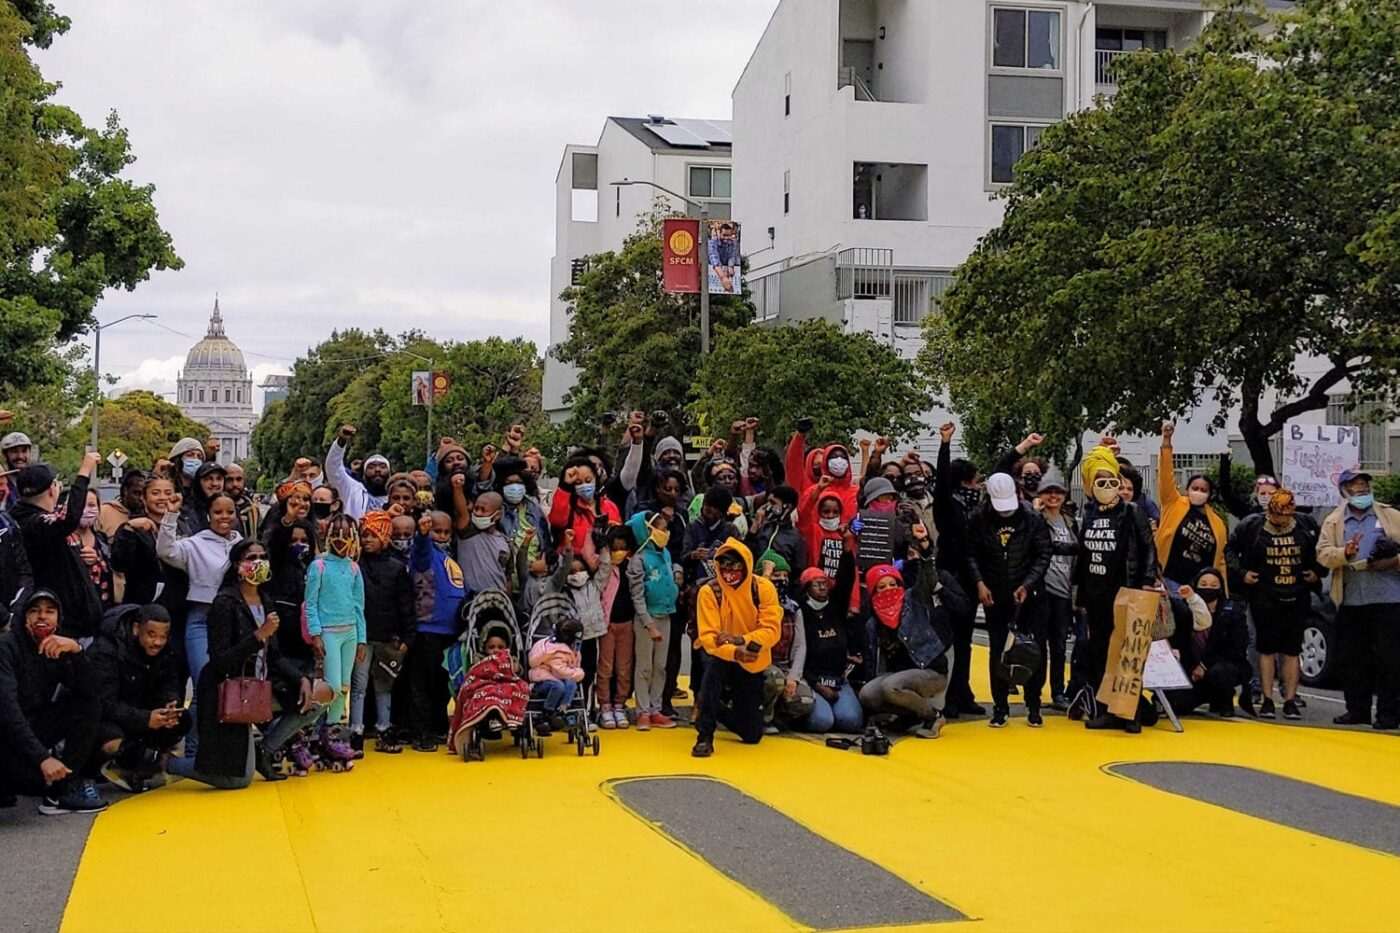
(1231, 211)
(636, 346)
(843, 382)
(70, 226)
(139, 423)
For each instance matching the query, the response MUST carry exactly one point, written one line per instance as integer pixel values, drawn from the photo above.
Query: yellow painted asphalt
(1019, 829)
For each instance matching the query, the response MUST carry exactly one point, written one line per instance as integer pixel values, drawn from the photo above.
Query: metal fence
(917, 294)
(864, 272)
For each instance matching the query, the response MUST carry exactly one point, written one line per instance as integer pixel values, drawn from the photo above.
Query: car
(1319, 657)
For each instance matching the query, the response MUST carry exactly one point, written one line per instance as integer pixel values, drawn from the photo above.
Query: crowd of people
(186, 629)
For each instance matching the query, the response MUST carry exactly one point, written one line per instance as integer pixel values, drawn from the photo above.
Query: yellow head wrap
(1100, 458)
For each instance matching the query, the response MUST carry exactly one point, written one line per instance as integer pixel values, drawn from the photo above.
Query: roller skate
(297, 757)
(388, 742)
(357, 744)
(333, 752)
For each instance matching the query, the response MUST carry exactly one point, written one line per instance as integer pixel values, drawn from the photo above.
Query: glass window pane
(699, 182)
(1043, 40)
(1033, 136)
(1008, 142)
(1109, 40)
(1157, 40)
(1132, 40)
(1009, 42)
(721, 182)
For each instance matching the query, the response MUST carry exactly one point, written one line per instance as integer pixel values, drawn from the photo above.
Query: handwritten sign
(1163, 671)
(1314, 455)
(1134, 611)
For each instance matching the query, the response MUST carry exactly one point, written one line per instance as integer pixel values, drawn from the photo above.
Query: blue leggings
(339, 662)
(845, 715)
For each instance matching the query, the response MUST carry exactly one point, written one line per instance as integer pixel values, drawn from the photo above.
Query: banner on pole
(680, 246)
(723, 262)
(1314, 456)
(441, 383)
(421, 387)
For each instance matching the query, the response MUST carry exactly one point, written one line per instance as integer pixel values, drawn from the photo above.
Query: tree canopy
(637, 347)
(844, 382)
(1230, 214)
(139, 423)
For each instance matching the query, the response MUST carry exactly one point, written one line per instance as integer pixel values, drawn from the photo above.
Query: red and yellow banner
(680, 255)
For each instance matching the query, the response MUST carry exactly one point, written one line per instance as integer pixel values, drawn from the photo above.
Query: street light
(704, 253)
(97, 330)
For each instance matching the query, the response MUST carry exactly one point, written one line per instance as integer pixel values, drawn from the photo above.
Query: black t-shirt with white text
(1193, 547)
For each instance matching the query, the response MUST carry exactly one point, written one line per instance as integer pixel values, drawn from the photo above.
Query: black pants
(1216, 689)
(1059, 619)
(959, 689)
(1369, 651)
(1001, 615)
(73, 720)
(588, 660)
(129, 754)
(744, 716)
(1099, 616)
(428, 683)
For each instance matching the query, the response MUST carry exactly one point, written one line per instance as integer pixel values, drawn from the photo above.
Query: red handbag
(245, 700)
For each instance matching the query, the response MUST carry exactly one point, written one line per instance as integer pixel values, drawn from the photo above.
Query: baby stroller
(552, 609)
(491, 697)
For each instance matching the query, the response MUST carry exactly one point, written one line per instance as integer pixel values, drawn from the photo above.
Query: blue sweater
(438, 587)
(335, 595)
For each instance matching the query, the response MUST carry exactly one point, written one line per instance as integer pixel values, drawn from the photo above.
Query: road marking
(1311, 808)
(811, 879)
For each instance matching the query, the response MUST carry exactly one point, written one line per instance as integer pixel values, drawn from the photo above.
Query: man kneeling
(46, 699)
(138, 678)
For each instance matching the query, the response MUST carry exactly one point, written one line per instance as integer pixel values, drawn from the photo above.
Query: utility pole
(703, 247)
(97, 330)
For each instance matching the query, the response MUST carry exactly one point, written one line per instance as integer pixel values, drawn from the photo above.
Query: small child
(582, 578)
(615, 648)
(483, 550)
(555, 671)
(389, 624)
(438, 595)
(335, 619)
(652, 583)
(493, 696)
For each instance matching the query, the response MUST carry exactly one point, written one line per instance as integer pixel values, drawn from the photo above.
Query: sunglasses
(1108, 482)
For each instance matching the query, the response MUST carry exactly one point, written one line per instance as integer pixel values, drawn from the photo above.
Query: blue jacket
(335, 595)
(438, 587)
(658, 582)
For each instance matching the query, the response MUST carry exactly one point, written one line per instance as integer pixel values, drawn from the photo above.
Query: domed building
(216, 389)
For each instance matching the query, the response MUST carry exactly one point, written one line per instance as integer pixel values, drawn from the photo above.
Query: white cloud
(327, 164)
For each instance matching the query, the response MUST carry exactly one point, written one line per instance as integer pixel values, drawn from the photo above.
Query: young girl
(615, 648)
(652, 584)
(555, 672)
(335, 617)
(134, 547)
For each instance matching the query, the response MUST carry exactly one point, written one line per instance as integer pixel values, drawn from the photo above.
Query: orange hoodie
(736, 614)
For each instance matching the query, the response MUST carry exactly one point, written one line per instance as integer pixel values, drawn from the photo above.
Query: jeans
(184, 767)
(359, 686)
(649, 672)
(615, 662)
(744, 716)
(196, 656)
(959, 690)
(844, 715)
(912, 691)
(557, 694)
(339, 663)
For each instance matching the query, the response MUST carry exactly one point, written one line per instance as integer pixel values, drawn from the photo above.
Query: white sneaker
(620, 718)
(605, 718)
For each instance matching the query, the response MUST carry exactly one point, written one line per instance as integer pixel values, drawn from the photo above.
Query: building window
(201, 395)
(240, 396)
(765, 294)
(889, 191)
(787, 94)
(189, 395)
(709, 181)
(1368, 417)
(583, 185)
(577, 268)
(1009, 143)
(787, 190)
(228, 394)
(1026, 38)
(1113, 39)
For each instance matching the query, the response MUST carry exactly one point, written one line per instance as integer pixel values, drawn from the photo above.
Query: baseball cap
(15, 439)
(34, 479)
(1001, 488)
(1349, 475)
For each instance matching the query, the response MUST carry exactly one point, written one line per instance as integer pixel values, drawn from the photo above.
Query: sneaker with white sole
(606, 718)
(78, 797)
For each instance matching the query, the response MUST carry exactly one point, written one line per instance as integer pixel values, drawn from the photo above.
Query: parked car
(1319, 657)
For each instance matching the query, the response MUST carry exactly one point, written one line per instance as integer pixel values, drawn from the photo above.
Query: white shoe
(605, 718)
(620, 718)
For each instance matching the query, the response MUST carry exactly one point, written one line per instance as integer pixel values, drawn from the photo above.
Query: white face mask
(578, 580)
(837, 466)
(818, 604)
(1263, 499)
(1198, 497)
(830, 524)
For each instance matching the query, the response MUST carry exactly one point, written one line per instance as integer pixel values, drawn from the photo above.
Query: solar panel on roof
(708, 130)
(676, 135)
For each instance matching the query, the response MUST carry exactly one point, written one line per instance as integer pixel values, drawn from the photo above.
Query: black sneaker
(1033, 719)
(1291, 710)
(357, 744)
(425, 744)
(1266, 708)
(130, 781)
(1132, 726)
(1347, 719)
(79, 797)
(1059, 702)
(1104, 721)
(999, 717)
(971, 709)
(702, 749)
(1386, 725)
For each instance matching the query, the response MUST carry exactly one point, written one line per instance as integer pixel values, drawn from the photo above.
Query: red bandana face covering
(888, 606)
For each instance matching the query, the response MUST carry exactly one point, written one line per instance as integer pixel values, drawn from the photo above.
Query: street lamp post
(704, 254)
(97, 330)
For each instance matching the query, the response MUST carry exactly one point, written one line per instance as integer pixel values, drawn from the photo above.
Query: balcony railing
(917, 293)
(1103, 66)
(864, 272)
(848, 77)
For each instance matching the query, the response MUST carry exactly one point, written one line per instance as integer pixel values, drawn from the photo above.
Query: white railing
(917, 293)
(1103, 65)
(864, 272)
(849, 77)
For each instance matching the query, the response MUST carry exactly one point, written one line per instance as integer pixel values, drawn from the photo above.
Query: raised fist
(882, 444)
(425, 523)
(459, 480)
(946, 432)
(1168, 429)
(751, 423)
(515, 437)
(347, 431)
(174, 502)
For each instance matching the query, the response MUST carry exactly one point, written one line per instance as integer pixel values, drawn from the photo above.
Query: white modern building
(690, 157)
(215, 388)
(871, 136)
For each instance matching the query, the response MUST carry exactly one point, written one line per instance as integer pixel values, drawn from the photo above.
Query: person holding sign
(1191, 536)
(1360, 543)
(1275, 557)
(1213, 648)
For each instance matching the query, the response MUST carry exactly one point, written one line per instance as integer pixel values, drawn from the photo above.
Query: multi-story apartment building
(690, 157)
(871, 137)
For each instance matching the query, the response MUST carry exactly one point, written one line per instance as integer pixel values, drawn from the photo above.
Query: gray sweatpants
(649, 665)
(913, 691)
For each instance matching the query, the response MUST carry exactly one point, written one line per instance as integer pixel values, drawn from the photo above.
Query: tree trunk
(1257, 433)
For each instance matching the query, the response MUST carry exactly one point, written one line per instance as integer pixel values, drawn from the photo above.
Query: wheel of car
(1316, 661)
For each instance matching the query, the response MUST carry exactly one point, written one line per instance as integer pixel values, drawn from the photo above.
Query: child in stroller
(491, 696)
(555, 672)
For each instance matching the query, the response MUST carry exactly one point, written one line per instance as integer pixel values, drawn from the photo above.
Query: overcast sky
(331, 164)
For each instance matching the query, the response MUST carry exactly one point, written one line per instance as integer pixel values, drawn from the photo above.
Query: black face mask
(1209, 595)
(915, 487)
(1030, 482)
(321, 509)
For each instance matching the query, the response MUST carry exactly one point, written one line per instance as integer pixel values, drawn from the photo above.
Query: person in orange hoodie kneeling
(739, 620)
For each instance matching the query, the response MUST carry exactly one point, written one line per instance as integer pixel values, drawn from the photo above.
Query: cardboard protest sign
(1134, 611)
(1163, 671)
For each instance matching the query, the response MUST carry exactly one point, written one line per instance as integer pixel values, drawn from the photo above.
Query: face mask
(423, 497)
(969, 497)
(321, 509)
(256, 572)
(442, 545)
(1209, 596)
(888, 606)
(830, 524)
(299, 550)
(317, 481)
(1106, 495)
(578, 580)
(837, 466)
(1198, 497)
(881, 507)
(585, 491)
(514, 493)
(400, 545)
(818, 604)
(189, 466)
(915, 488)
(1363, 502)
(89, 518)
(660, 537)
(482, 522)
(1030, 482)
(619, 558)
(1263, 499)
